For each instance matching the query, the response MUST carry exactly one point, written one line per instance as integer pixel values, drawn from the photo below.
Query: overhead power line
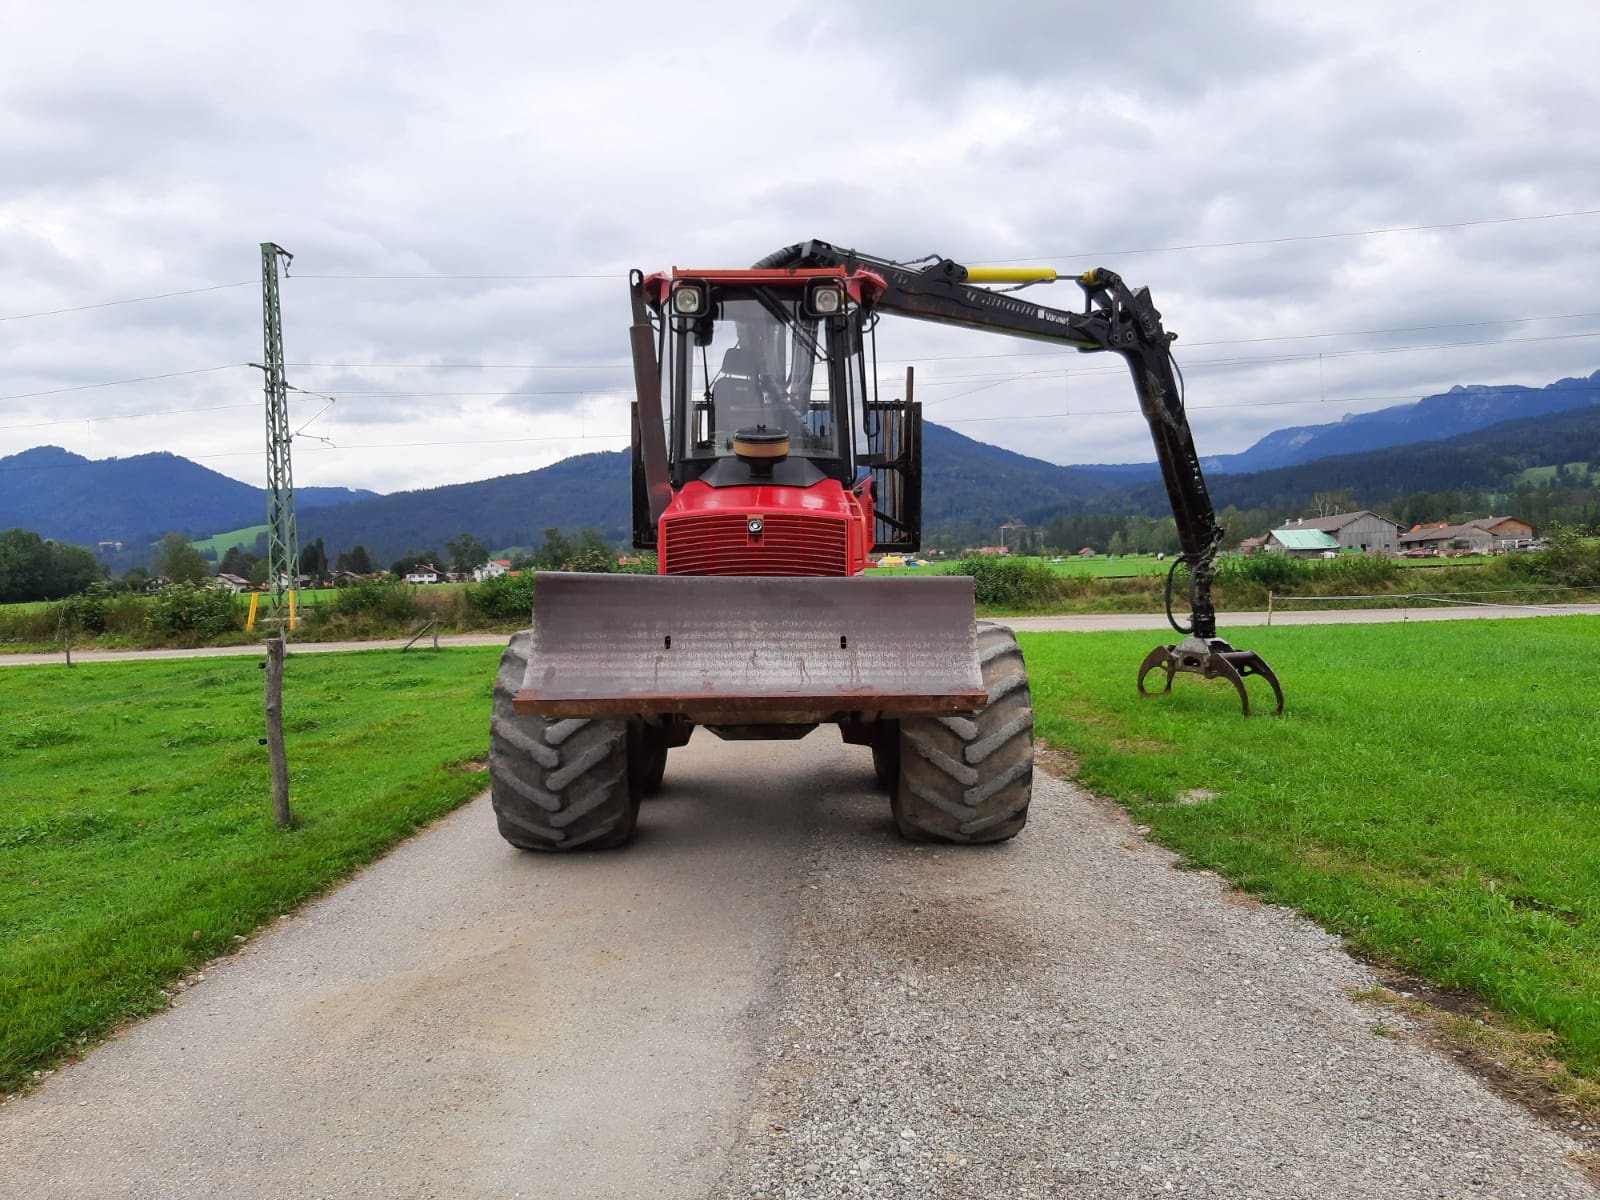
(1301, 237)
(534, 276)
(86, 387)
(56, 312)
(927, 358)
(479, 278)
(165, 412)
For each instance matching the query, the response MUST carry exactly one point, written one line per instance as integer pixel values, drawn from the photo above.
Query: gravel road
(769, 995)
(1081, 622)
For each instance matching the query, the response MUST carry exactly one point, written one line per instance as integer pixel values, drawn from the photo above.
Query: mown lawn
(136, 838)
(1432, 792)
(1098, 567)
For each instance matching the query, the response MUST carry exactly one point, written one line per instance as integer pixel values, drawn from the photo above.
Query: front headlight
(689, 299)
(824, 300)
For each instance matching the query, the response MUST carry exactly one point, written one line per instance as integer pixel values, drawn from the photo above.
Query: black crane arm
(1116, 318)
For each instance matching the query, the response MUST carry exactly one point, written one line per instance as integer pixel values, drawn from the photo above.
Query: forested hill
(591, 490)
(1463, 409)
(967, 485)
(970, 489)
(69, 498)
(1489, 459)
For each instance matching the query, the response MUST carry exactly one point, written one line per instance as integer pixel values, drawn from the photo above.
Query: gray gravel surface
(769, 995)
(1079, 622)
(1068, 1014)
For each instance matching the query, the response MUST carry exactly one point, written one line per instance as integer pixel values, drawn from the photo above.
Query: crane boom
(1116, 318)
(1123, 321)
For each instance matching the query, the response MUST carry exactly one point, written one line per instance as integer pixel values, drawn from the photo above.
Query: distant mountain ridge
(965, 482)
(1482, 460)
(70, 498)
(1463, 409)
(1468, 437)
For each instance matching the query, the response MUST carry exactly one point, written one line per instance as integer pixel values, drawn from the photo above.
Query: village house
(233, 583)
(1486, 535)
(1302, 543)
(1364, 531)
(492, 569)
(1507, 531)
(426, 573)
(1445, 539)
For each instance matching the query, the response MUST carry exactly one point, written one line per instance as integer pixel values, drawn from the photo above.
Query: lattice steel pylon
(283, 538)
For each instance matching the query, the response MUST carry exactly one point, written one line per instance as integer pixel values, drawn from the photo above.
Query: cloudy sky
(464, 188)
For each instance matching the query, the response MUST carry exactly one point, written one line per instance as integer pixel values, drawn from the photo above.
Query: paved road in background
(770, 995)
(1082, 623)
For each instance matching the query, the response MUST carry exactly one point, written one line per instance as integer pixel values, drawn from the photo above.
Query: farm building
(1365, 531)
(1302, 543)
(1440, 539)
(1507, 531)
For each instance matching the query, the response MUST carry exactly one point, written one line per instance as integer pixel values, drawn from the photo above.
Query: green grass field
(136, 838)
(220, 543)
(1098, 567)
(1432, 793)
(1577, 471)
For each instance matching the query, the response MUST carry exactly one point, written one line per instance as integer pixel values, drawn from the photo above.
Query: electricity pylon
(283, 538)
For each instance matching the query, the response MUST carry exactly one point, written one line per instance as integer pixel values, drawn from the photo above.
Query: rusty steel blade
(803, 648)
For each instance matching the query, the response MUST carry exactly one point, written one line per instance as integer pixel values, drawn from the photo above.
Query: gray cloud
(532, 141)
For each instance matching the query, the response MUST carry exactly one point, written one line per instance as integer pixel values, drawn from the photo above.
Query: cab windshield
(766, 365)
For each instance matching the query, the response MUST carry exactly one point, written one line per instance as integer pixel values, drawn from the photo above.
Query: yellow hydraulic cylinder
(1011, 274)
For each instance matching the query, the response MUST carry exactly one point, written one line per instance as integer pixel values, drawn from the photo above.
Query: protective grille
(719, 544)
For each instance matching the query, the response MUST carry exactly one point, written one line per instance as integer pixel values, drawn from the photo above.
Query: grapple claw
(1210, 658)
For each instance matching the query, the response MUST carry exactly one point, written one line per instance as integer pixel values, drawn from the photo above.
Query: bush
(1571, 561)
(388, 600)
(187, 608)
(1274, 571)
(1355, 573)
(593, 559)
(503, 598)
(1009, 582)
(88, 611)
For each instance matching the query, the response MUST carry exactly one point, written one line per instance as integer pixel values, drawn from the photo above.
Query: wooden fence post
(274, 712)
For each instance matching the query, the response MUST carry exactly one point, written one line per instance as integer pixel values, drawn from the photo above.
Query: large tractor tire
(969, 779)
(556, 784)
(886, 756)
(647, 757)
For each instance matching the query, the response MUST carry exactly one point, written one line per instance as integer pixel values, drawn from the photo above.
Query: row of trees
(1544, 505)
(34, 569)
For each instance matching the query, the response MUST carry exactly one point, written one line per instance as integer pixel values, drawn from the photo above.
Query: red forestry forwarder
(765, 469)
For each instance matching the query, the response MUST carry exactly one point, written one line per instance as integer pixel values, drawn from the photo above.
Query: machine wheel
(647, 757)
(969, 779)
(886, 756)
(556, 785)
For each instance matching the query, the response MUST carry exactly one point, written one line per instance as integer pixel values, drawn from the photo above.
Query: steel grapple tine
(1161, 657)
(1250, 663)
(1211, 658)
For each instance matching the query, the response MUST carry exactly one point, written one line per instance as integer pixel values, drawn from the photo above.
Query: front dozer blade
(729, 648)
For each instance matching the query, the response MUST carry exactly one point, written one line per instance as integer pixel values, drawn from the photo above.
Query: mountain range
(69, 498)
(1469, 437)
